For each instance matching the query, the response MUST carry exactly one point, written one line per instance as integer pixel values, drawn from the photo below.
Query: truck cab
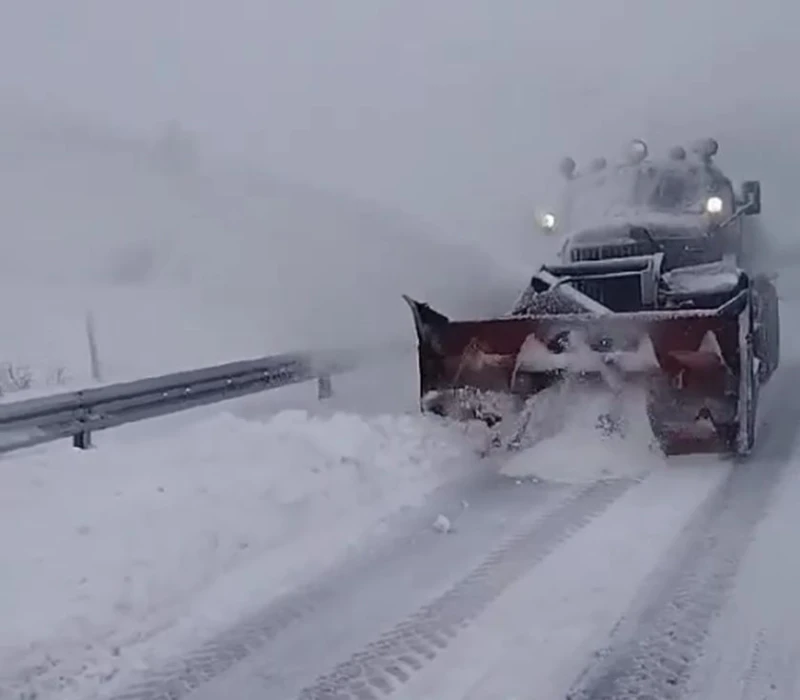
(664, 233)
(681, 206)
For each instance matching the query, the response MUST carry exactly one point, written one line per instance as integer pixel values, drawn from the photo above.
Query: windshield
(672, 191)
(641, 192)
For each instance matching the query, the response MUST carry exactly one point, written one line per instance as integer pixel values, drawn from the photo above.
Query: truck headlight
(714, 205)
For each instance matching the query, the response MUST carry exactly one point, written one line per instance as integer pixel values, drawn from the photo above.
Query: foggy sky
(453, 110)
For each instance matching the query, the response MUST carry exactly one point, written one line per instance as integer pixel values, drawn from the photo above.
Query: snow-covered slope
(204, 261)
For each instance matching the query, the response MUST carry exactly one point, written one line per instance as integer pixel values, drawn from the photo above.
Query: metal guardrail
(78, 414)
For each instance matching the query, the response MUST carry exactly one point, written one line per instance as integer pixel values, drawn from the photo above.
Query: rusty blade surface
(517, 354)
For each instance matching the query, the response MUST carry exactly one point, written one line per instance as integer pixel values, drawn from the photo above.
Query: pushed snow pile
(114, 548)
(578, 435)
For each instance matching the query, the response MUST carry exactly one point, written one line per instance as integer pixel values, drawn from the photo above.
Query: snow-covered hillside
(192, 263)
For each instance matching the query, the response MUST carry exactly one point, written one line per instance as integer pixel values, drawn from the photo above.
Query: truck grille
(619, 294)
(607, 252)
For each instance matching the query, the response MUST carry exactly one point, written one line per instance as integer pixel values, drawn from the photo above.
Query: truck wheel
(767, 330)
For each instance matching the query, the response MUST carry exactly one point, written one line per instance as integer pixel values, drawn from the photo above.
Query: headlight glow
(548, 221)
(714, 205)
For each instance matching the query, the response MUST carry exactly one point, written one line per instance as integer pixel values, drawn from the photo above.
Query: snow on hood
(617, 228)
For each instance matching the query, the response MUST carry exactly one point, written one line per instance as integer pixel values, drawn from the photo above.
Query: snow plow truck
(657, 283)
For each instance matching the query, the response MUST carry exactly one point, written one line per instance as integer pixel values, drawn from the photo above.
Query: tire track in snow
(407, 536)
(657, 651)
(390, 660)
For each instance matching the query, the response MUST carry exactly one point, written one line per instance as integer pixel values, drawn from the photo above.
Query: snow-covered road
(313, 569)
(648, 585)
(288, 549)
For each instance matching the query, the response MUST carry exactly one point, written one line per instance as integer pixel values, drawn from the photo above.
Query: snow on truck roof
(665, 190)
(670, 191)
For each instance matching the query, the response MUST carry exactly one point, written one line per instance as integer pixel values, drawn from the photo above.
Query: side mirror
(751, 197)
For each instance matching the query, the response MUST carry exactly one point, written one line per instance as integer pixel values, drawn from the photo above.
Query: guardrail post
(324, 387)
(82, 440)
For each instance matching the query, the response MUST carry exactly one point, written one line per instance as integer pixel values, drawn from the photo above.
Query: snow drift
(131, 551)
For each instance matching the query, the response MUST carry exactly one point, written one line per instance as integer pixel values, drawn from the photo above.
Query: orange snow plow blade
(698, 399)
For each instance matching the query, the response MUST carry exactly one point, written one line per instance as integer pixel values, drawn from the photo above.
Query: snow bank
(157, 544)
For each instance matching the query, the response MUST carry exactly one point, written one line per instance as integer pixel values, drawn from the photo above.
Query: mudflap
(697, 367)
